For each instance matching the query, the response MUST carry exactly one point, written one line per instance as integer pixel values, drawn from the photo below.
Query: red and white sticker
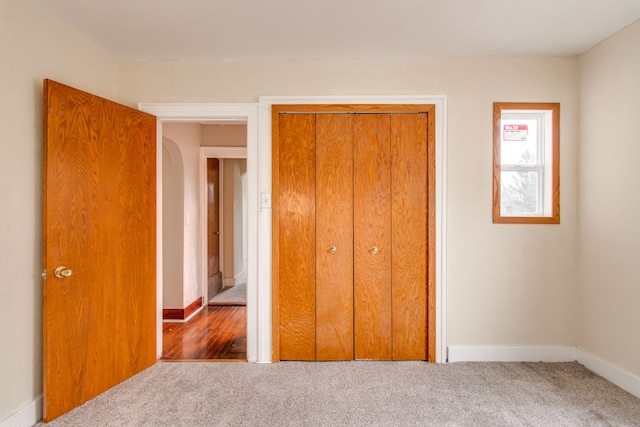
(515, 132)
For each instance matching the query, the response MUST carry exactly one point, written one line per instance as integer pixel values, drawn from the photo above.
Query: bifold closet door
(409, 235)
(334, 237)
(316, 236)
(390, 237)
(372, 236)
(297, 217)
(352, 215)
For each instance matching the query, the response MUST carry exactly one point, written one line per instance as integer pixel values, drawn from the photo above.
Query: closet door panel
(334, 237)
(409, 236)
(297, 217)
(372, 237)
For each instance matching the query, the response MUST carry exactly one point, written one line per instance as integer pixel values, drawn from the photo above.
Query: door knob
(333, 249)
(374, 250)
(62, 272)
(216, 233)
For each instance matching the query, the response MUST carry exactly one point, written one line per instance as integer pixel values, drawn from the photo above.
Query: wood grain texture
(554, 107)
(409, 236)
(215, 333)
(213, 218)
(99, 220)
(372, 228)
(431, 142)
(334, 227)
(297, 220)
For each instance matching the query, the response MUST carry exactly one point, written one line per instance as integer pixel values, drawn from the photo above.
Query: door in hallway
(214, 275)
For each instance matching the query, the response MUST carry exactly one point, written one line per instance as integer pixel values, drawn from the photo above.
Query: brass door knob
(62, 272)
(333, 249)
(374, 250)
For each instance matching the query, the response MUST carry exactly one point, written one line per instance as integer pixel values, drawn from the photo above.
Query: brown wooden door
(372, 236)
(352, 202)
(334, 237)
(297, 236)
(214, 276)
(99, 222)
(409, 236)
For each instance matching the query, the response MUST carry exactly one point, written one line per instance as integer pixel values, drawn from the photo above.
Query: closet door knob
(374, 250)
(333, 249)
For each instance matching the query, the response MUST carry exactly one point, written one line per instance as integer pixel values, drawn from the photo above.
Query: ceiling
(321, 29)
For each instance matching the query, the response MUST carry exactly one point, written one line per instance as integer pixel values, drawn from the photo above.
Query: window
(526, 163)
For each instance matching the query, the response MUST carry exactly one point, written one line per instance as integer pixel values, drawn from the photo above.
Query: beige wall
(34, 45)
(609, 280)
(187, 137)
(507, 284)
(229, 135)
(172, 225)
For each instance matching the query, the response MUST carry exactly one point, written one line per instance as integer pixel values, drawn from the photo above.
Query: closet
(351, 234)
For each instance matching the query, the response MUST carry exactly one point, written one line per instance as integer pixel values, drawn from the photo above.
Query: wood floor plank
(215, 333)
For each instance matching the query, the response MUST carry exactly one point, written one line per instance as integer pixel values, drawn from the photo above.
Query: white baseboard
(241, 277)
(623, 379)
(232, 281)
(25, 417)
(511, 354)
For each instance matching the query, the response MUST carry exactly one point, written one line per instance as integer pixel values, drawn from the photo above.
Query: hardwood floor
(215, 333)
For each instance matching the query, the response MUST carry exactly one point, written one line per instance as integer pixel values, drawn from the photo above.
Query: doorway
(204, 239)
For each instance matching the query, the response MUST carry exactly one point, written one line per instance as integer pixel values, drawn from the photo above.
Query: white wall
(507, 284)
(232, 218)
(609, 280)
(34, 45)
(172, 225)
(187, 137)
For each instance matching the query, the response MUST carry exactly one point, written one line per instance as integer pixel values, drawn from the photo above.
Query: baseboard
(228, 282)
(241, 277)
(511, 354)
(25, 417)
(183, 320)
(182, 313)
(623, 379)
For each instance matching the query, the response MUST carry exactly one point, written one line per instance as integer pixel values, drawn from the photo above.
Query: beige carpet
(361, 394)
(235, 295)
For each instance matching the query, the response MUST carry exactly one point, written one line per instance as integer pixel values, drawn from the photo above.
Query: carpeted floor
(360, 394)
(235, 295)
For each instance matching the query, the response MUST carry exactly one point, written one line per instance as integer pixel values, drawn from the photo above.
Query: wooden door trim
(430, 109)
